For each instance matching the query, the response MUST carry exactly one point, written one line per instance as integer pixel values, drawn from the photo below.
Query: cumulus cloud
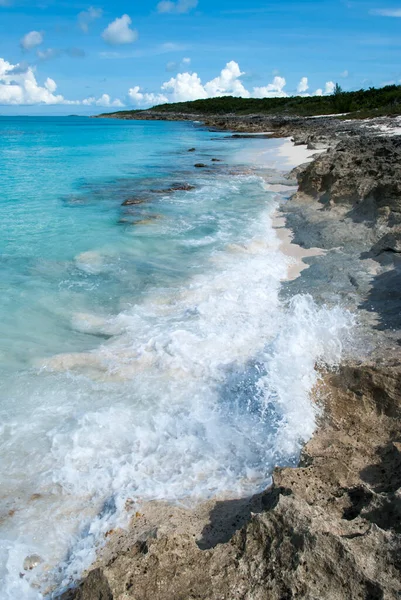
(119, 32)
(272, 90)
(19, 86)
(86, 17)
(31, 40)
(227, 83)
(303, 86)
(50, 85)
(188, 86)
(185, 86)
(104, 100)
(145, 99)
(386, 12)
(180, 6)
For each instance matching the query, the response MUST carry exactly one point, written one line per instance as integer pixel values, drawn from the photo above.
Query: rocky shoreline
(330, 528)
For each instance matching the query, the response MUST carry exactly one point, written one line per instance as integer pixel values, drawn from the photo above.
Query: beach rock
(192, 150)
(216, 160)
(362, 174)
(390, 242)
(199, 165)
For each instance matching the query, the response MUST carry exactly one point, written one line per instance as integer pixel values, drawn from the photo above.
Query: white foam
(201, 391)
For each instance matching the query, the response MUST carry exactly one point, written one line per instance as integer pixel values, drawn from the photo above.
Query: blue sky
(60, 57)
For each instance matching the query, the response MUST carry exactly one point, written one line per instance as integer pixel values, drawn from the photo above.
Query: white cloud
(186, 61)
(183, 87)
(104, 100)
(227, 83)
(19, 86)
(386, 12)
(119, 32)
(272, 90)
(86, 17)
(180, 6)
(303, 86)
(31, 40)
(344, 74)
(188, 86)
(50, 85)
(144, 99)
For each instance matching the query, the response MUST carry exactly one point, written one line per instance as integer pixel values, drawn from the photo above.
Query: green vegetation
(361, 104)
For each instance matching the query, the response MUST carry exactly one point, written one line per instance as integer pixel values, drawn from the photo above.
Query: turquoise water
(144, 351)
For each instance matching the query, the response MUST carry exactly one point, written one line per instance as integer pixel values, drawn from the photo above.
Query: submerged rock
(175, 187)
(133, 201)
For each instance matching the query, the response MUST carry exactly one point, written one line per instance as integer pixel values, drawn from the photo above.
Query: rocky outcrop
(363, 174)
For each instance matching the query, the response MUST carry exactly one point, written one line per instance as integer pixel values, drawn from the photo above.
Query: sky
(73, 57)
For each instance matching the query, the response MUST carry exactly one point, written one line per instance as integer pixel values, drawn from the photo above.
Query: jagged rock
(390, 242)
(363, 174)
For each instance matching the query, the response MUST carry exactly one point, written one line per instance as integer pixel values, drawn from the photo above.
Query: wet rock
(133, 201)
(175, 187)
(199, 165)
(216, 160)
(192, 150)
(390, 242)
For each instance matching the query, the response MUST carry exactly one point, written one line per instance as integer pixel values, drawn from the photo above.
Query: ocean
(146, 349)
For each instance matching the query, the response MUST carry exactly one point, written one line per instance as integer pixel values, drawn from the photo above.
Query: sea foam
(203, 390)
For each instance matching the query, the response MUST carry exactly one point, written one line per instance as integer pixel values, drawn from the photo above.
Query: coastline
(330, 527)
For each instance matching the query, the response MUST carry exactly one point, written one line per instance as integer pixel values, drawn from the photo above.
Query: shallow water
(144, 350)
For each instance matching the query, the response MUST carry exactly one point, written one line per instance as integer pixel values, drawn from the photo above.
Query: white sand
(294, 251)
(295, 155)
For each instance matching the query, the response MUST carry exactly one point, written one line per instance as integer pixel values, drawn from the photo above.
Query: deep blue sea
(145, 351)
